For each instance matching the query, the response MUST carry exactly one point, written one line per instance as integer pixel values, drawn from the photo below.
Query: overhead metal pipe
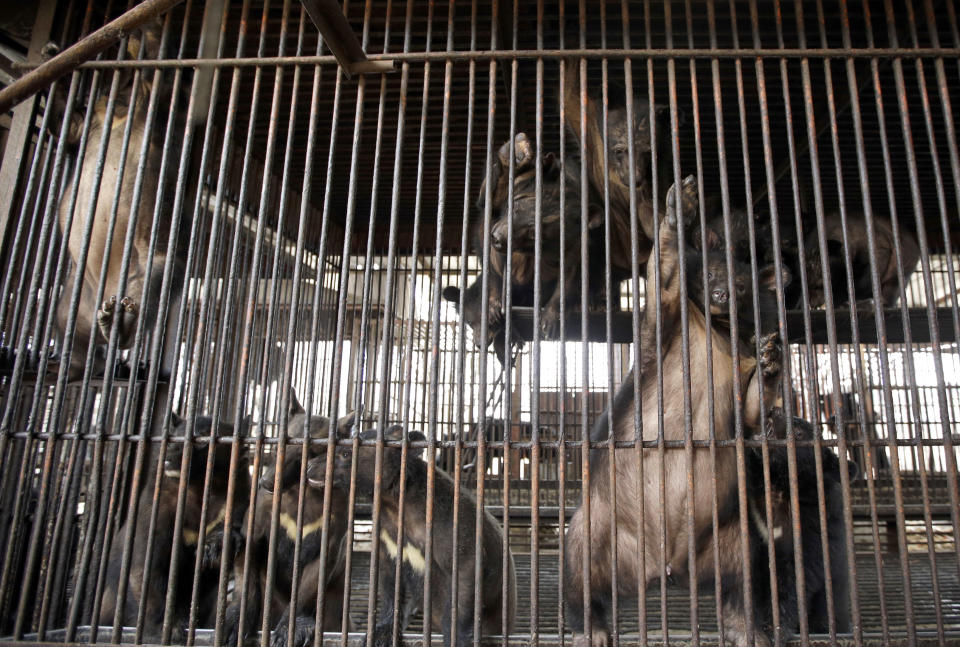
(339, 38)
(81, 52)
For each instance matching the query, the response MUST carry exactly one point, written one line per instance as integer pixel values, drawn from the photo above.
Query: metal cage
(217, 242)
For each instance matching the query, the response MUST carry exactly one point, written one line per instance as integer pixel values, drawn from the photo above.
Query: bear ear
(451, 293)
(294, 406)
(395, 432)
(767, 277)
(346, 423)
(416, 437)
(175, 420)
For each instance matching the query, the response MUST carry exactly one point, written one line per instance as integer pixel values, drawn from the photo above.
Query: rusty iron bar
(339, 38)
(554, 640)
(784, 166)
(81, 52)
(495, 444)
(12, 164)
(747, 53)
(918, 321)
(395, 383)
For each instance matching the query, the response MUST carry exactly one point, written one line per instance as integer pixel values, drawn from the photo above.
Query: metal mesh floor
(678, 599)
(924, 605)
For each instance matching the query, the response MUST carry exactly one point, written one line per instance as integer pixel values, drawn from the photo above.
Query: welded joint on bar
(341, 40)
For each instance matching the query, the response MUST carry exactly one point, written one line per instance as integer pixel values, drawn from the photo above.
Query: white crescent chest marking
(190, 536)
(290, 526)
(411, 554)
(761, 522)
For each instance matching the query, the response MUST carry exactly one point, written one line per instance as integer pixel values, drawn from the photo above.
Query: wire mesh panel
(602, 323)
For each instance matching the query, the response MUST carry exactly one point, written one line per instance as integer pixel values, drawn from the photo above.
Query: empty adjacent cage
(602, 322)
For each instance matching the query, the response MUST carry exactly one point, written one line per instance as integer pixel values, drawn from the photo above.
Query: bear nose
(720, 296)
(498, 236)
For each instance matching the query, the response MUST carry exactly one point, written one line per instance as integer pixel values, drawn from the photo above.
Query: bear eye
(709, 276)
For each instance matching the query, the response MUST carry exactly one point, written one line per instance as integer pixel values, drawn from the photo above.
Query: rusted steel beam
(81, 52)
(339, 38)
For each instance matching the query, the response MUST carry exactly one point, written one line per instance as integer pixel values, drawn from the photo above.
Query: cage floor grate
(678, 599)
